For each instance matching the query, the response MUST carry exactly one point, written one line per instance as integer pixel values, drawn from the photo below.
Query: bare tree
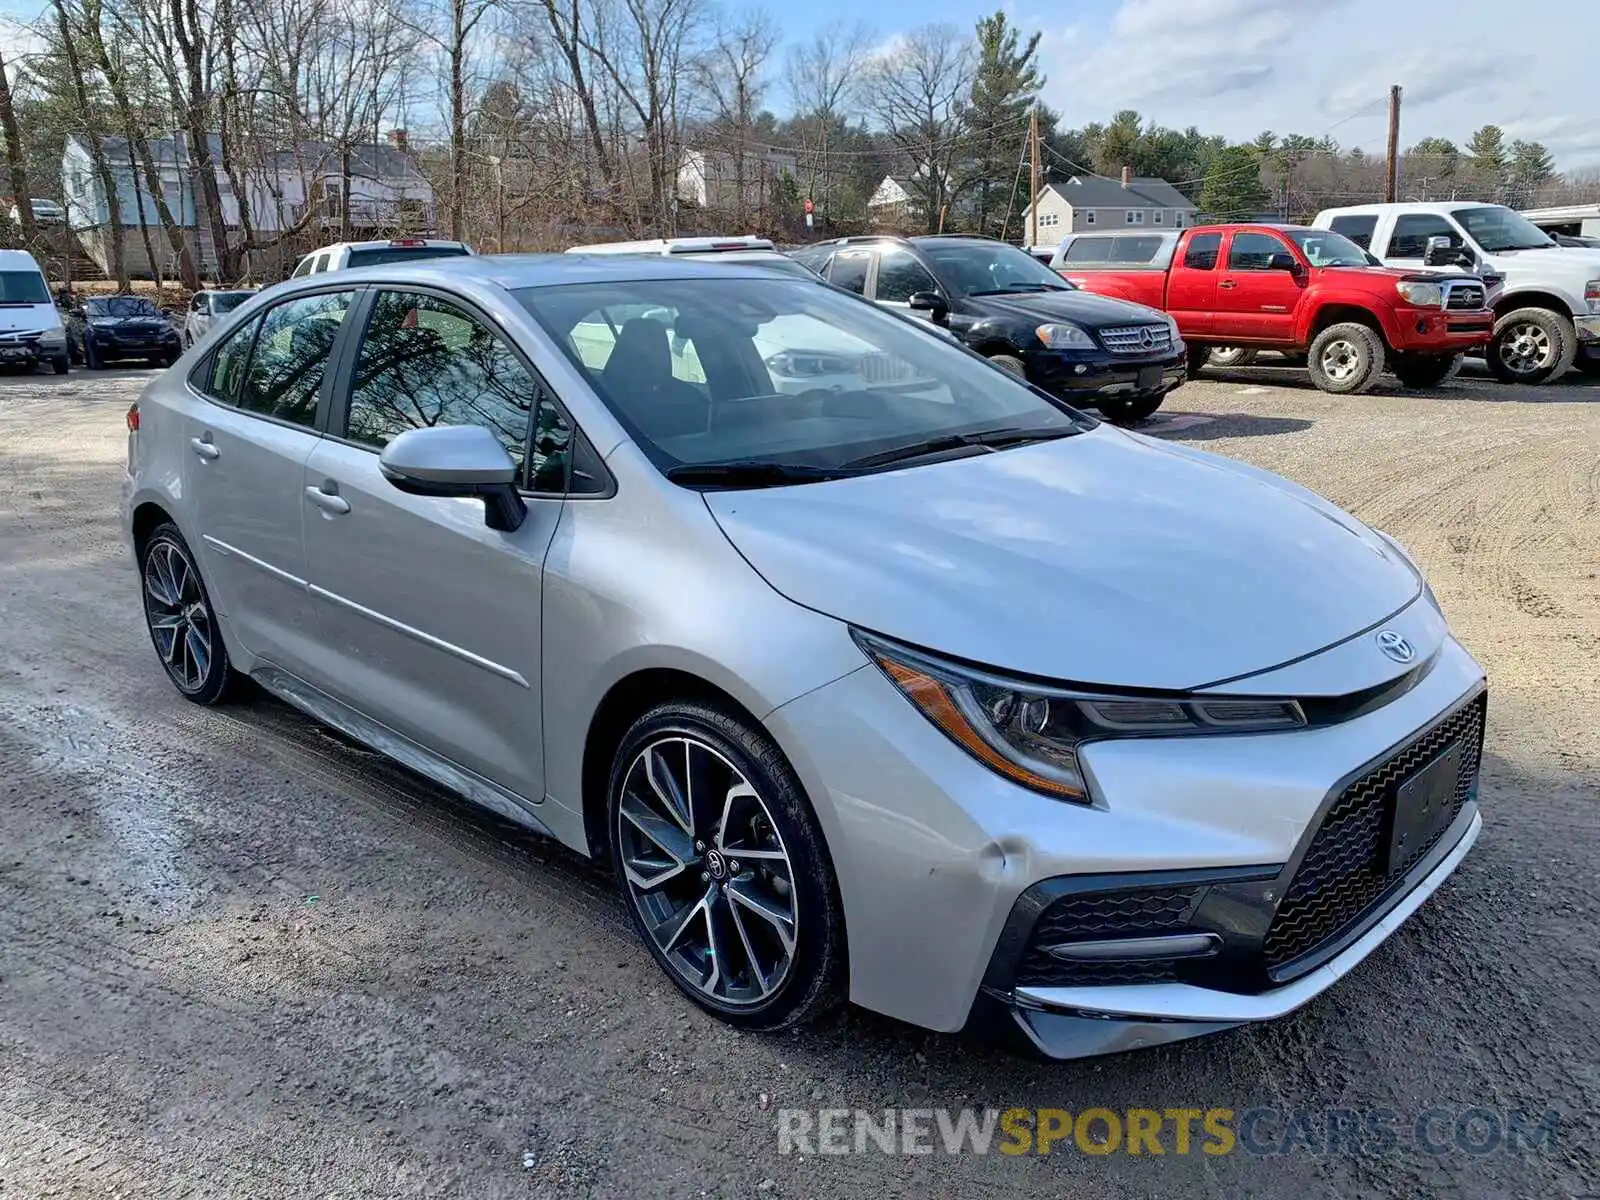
(821, 76)
(16, 166)
(85, 118)
(918, 91)
(733, 75)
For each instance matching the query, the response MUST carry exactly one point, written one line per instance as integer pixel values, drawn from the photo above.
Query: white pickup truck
(1548, 309)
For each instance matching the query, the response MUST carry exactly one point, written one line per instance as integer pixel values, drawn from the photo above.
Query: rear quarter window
(1358, 229)
(1120, 251)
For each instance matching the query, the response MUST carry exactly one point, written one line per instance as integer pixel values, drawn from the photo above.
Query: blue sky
(1237, 67)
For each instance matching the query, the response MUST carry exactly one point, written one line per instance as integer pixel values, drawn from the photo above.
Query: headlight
(1591, 295)
(1423, 295)
(101, 323)
(1059, 336)
(1032, 735)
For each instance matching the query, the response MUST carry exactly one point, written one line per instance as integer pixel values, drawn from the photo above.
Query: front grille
(1343, 872)
(1464, 296)
(12, 339)
(1140, 912)
(1136, 339)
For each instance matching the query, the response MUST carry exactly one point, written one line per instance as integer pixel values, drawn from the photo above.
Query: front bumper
(935, 854)
(32, 352)
(123, 347)
(1090, 374)
(1433, 331)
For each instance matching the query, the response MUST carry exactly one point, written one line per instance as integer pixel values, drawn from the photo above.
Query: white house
(1081, 202)
(710, 178)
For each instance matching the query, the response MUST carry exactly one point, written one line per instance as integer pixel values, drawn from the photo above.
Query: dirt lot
(240, 958)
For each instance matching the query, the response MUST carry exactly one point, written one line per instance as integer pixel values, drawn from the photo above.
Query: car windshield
(991, 268)
(228, 301)
(377, 256)
(22, 287)
(121, 306)
(1498, 229)
(765, 371)
(1327, 249)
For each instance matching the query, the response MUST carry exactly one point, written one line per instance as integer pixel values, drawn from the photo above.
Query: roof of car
(512, 271)
(1435, 206)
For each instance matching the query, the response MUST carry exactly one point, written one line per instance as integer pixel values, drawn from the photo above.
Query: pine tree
(1488, 149)
(1003, 89)
(1233, 184)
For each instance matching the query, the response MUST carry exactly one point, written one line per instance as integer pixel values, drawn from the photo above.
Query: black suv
(105, 328)
(1118, 357)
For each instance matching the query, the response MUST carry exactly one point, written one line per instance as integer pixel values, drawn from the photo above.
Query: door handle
(1227, 283)
(204, 447)
(328, 502)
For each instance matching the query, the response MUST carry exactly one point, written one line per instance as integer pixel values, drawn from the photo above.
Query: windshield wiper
(1014, 288)
(991, 439)
(752, 473)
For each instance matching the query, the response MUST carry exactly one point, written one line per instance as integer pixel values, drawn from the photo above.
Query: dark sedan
(111, 328)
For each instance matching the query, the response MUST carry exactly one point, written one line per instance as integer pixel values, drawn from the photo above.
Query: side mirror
(1284, 261)
(1439, 252)
(931, 303)
(457, 460)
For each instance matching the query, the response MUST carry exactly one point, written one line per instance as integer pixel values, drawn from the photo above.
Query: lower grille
(1343, 872)
(1138, 912)
(1136, 339)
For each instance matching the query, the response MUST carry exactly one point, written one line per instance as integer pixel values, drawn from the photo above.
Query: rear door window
(849, 270)
(228, 364)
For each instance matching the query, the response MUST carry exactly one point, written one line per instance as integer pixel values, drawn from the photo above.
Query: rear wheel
(1199, 356)
(59, 363)
(1424, 370)
(1232, 356)
(723, 867)
(1129, 410)
(1531, 345)
(182, 624)
(1010, 364)
(91, 355)
(1346, 359)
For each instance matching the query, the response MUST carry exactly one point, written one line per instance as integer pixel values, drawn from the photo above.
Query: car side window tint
(1411, 234)
(228, 363)
(1202, 252)
(814, 258)
(1358, 229)
(1254, 251)
(425, 361)
(849, 270)
(291, 356)
(900, 276)
(1088, 249)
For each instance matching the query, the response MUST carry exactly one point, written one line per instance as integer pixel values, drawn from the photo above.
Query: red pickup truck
(1305, 292)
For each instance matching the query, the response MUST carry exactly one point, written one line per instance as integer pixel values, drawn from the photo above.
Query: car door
(899, 277)
(429, 621)
(248, 443)
(1192, 285)
(1254, 299)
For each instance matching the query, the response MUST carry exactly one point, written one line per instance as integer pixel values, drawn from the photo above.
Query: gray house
(1080, 202)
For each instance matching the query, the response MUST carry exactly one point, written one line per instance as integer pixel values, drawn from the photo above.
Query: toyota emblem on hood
(1395, 646)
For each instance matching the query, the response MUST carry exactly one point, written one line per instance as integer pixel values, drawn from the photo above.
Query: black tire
(1531, 345)
(1346, 359)
(1010, 364)
(1588, 363)
(1424, 370)
(187, 602)
(779, 817)
(1199, 356)
(91, 356)
(1129, 410)
(1228, 357)
(59, 364)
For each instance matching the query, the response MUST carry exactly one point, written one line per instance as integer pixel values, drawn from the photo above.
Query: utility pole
(1033, 177)
(1391, 169)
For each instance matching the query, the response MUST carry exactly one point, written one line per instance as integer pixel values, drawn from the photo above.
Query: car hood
(36, 316)
(1104, 558)
(1080, 307)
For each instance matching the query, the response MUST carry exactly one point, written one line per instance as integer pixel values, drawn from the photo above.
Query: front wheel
(181, 620)
(1346, 359)
(723, 867)
(1425, 370)
(1129, 410)
(59, 364)
(1531, 345)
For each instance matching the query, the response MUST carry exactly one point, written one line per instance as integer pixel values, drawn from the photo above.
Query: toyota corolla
(919, 688)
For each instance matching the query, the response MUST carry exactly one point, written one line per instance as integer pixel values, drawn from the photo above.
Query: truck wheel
(1232, 356)
(1531, 345)
(1123, 410)
(1199, 356)
(1424, 370)
(1346, 359)
(1010, 364)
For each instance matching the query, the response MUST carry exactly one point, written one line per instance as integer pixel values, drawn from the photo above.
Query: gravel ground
(243, 958)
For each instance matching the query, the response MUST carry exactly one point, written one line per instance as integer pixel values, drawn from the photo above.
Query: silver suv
(873, 672)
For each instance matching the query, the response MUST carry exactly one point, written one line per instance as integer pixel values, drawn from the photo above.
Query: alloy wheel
(1340, 360)
(1526, 348)
(180, 621)
(707, 871)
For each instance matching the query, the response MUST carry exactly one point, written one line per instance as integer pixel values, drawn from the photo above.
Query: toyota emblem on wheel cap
(1395, 646)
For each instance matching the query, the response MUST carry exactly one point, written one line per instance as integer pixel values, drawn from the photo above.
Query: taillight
(133, 417)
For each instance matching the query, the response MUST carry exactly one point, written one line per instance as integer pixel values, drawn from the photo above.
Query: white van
(30, 326)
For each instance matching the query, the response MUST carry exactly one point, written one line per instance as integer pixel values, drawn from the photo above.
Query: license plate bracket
(1149, 379)
(1423, 804)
